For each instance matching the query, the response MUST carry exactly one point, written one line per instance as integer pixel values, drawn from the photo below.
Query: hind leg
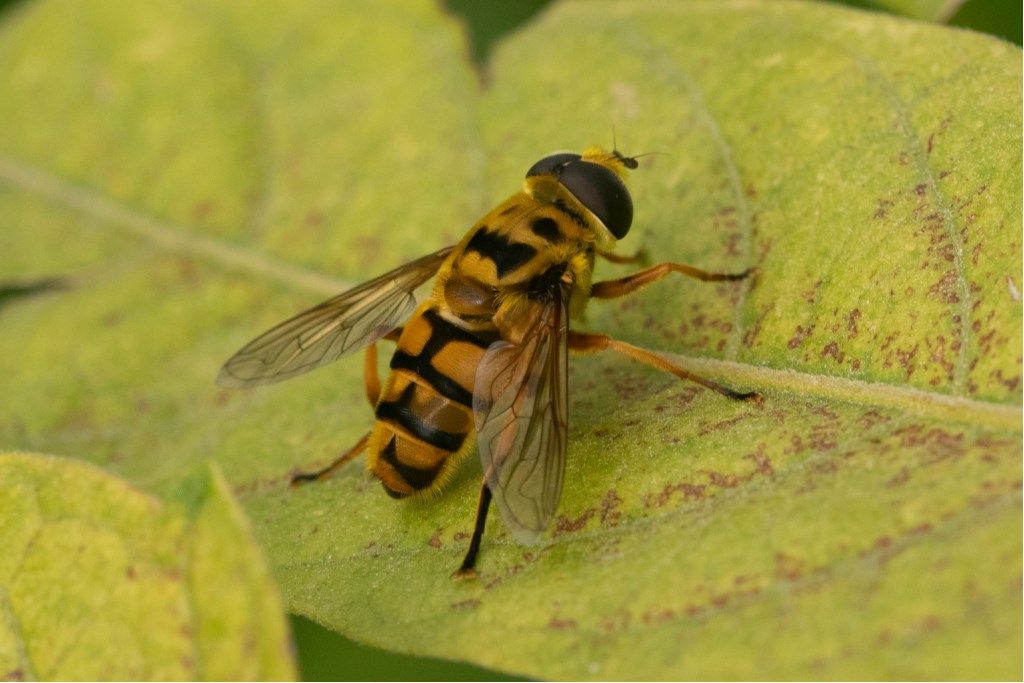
(371, 381)
(585, 342)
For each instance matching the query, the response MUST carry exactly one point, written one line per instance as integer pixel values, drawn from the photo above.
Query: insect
(483, 360)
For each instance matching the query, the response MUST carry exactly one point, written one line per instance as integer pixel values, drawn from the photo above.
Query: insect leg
(638, 257)
(320, 475)
(371, 377)
(469, 561)
(612, 289)
(585, 342)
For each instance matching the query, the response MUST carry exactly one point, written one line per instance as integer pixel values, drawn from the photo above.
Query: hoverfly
(483, 360)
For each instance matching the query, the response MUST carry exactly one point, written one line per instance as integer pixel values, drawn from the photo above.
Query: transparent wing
(338, 326)
(519, 402)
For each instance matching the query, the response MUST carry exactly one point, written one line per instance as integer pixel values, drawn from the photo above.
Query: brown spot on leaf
(725, 481)
(723, 424)
(657, 616)
(851, 322)
(883, 208)
(1010, 383)
(203, 209)
(565, 525)
(831, 350)
(618, 621)
(901, 477)
(610, 513)
(945, 289)
(788, 567)
(750, 336)
(688, 490)
(761, 461)
(800, 335)
(811, 294)
(872, 418)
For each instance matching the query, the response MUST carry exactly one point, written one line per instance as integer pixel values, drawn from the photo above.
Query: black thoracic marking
(543, 287)
(442, 332)
(547, 228)
(413, 476)
(401, 412)
(507, 255)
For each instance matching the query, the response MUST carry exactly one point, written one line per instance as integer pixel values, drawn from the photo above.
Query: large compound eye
(602, 191)
(552, 165)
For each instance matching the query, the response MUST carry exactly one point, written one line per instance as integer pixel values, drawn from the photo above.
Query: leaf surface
(101, 581)
(223, 167)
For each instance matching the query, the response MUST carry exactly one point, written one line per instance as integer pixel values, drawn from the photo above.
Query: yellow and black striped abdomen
(425, 412)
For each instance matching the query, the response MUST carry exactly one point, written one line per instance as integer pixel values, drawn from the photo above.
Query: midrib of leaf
(179, 238)
(162, 233)
(947, 407)
(672, 73)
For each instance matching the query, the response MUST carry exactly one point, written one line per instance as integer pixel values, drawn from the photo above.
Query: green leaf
(101, 581)
(199, 174)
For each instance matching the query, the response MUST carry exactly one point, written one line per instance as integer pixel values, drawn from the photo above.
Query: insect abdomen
(425, 412)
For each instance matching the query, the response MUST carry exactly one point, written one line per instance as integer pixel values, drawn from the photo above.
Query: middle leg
(467, 569)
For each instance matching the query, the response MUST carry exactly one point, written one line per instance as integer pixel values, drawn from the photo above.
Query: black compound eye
(552, 165)
(602, 191)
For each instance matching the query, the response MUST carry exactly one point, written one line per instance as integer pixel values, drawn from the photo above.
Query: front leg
(612, 257)
(613, 289)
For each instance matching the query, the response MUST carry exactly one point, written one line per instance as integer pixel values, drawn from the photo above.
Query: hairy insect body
(425, 412)
(507, 262)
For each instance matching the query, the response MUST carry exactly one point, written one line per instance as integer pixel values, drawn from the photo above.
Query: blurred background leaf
(189, 207)
(108, 583)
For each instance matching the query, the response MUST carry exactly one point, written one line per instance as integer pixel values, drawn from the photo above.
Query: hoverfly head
(594, 179)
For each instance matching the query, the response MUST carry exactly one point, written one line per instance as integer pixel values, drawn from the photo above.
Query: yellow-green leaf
(198, 173)
(101, 581)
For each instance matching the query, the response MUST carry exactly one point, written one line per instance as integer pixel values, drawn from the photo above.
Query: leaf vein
(165, 234)
(672, 72)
